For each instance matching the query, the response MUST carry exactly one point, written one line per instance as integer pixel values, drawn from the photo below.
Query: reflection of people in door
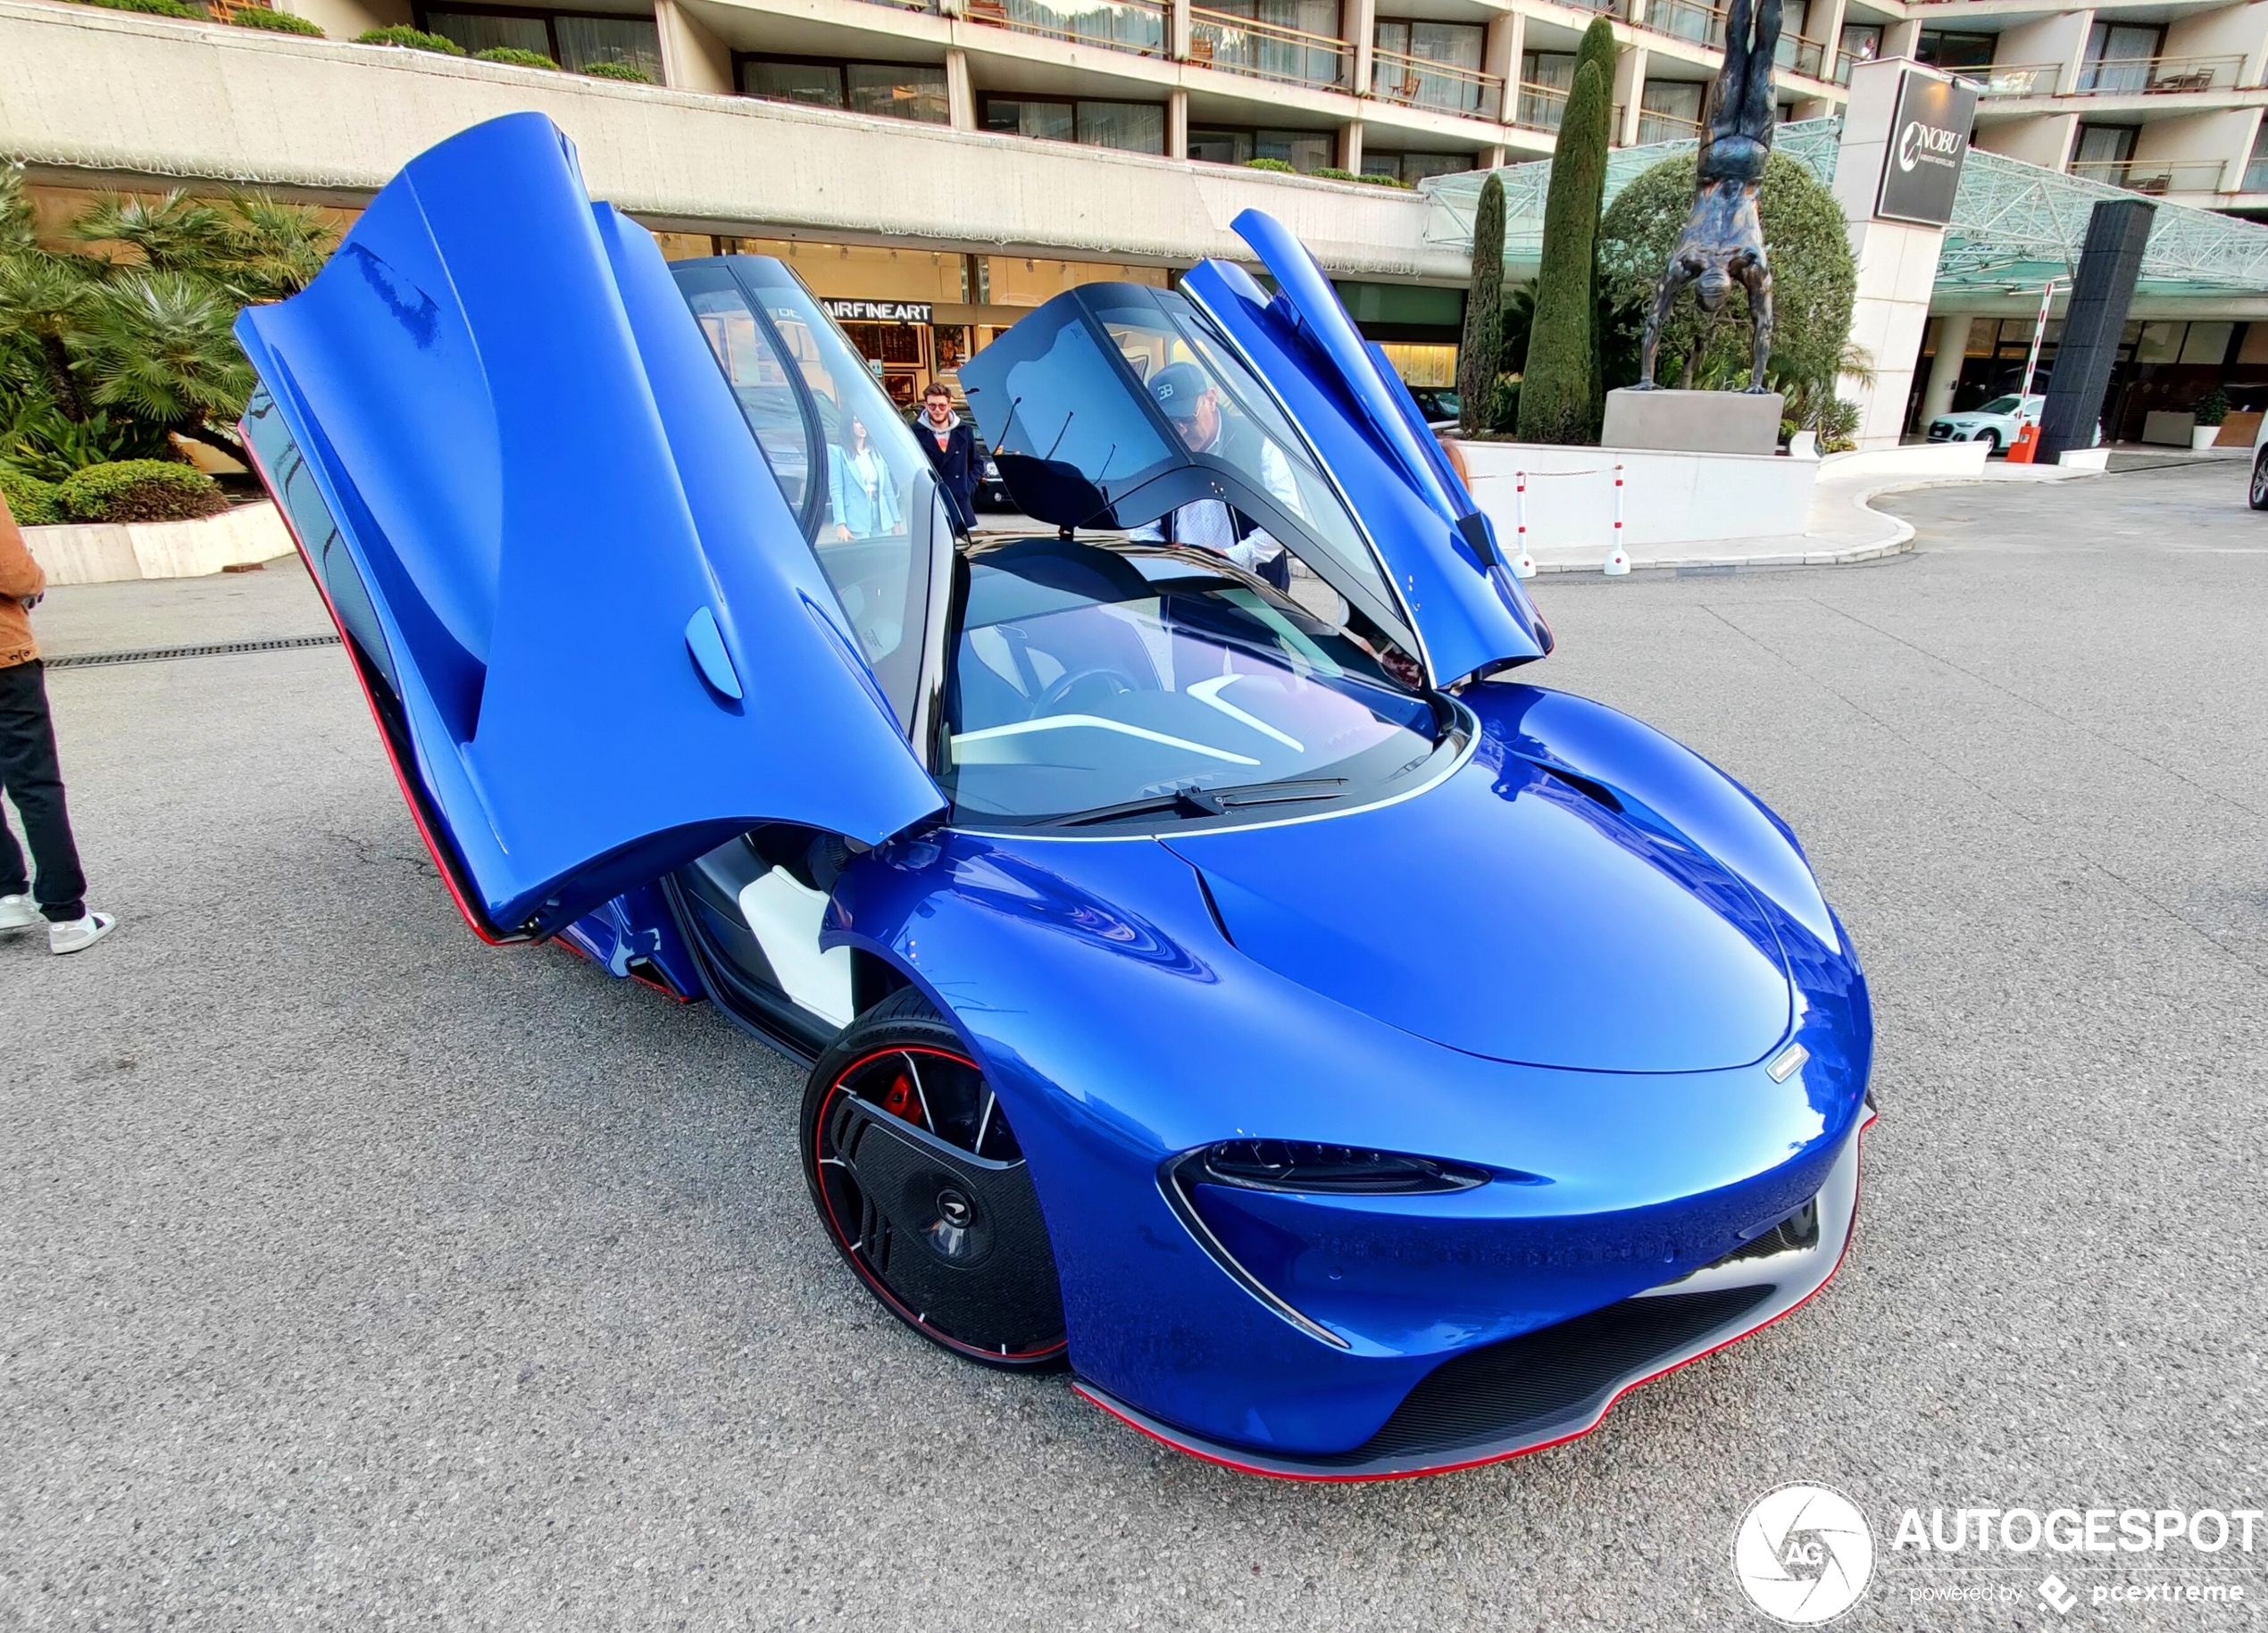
(862, 495)
(1192, 404)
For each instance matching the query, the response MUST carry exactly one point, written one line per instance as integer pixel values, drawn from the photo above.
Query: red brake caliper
(901, 1101)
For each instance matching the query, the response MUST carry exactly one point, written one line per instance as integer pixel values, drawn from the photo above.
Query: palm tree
(44, 299)
(174, 234)
(273, 249)
(157, 345)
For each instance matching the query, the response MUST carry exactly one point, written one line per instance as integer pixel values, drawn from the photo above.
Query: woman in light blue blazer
(861, 489)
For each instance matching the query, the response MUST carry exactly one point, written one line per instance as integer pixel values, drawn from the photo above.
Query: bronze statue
(1724, 238)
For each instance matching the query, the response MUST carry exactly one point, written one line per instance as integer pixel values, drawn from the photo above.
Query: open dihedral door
(593, 631)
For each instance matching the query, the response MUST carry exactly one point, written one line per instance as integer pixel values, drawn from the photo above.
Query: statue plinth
(1693, 422)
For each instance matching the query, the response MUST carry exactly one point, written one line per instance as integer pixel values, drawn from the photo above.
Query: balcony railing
(1800, 55)
(1653, 127)
(2016, 79)
(1264, 50)
(1119, 25)
(2157, 76)
(1692, 20)
(1845, 61)
(2153, 175)
(1419, 82)
(1538, 107)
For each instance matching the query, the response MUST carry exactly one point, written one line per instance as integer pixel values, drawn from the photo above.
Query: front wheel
(924, 1191)
(1991, 440)
(2260, 480)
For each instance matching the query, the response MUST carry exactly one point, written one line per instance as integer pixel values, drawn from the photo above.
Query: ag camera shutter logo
(1803, 1554)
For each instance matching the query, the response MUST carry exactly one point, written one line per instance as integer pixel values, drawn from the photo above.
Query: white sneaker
(79, 934)
(18, 913)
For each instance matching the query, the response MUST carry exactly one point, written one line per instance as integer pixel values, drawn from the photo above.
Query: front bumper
(1553, 1385)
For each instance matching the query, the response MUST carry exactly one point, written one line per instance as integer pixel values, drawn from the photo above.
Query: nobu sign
(1929, 139)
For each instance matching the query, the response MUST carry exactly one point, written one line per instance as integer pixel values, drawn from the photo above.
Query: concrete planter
(105, 552)
(2203, 437)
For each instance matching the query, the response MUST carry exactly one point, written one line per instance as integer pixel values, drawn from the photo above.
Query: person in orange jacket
(29, 775)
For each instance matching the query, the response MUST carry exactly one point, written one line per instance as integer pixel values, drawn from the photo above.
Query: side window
(758, 376)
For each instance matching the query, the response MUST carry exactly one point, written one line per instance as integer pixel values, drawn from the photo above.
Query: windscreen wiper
(1194, 802)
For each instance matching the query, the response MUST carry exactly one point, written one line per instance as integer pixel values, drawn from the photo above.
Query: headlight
(1301, 1165)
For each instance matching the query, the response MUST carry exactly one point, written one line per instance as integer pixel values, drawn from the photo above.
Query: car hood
(1512, 912)
(1970, 421)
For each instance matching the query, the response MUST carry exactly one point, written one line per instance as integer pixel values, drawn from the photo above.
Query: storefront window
(1303, 150)
(1409, 169)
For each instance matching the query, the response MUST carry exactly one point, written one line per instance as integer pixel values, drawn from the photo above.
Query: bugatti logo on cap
(1803, 1554)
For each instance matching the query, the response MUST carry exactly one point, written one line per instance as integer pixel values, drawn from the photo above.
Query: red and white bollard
(1618, 564)
(1524, 565)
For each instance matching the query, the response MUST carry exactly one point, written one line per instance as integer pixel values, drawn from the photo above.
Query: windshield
(1135, 683)
(1135, 391)
(847, 462)
(2000, 405)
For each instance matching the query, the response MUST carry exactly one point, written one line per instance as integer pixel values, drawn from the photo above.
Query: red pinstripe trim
(475, 920)
(1204, 1455)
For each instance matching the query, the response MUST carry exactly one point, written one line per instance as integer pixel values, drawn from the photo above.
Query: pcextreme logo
(1804, 1553)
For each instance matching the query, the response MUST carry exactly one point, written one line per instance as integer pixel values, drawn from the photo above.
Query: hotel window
(1303, 150)
(2103, 145)
(575, 40)
(1412, 168)
(892, 90)
(1955, 53)
(2118, 58)
(1407, 49)
(1130, 126)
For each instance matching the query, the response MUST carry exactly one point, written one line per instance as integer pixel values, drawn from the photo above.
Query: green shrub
(30, 501)
(1814, 281)
(1331, 172)
(1838, 426)
(140, 490)
(1276, 165)
(410, 40)
(514, 56)
(629, 71)
(154, 8)
(37, 440)
(275, 22)
(2213, 408)
(1557, 402)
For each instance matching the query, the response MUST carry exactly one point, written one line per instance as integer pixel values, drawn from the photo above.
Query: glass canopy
(2014, 225)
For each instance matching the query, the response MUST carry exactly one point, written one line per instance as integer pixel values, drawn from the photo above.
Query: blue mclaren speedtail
(1220, 977)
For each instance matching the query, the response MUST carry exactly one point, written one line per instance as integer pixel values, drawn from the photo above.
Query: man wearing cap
(1192, 402)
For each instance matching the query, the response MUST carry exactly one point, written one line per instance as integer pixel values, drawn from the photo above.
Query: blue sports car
(1219, 978)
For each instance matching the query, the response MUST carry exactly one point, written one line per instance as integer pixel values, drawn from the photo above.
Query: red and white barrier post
(1618, 564)
(1524, 565)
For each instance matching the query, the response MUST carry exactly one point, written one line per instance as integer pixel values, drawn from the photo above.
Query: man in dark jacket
(952, 447)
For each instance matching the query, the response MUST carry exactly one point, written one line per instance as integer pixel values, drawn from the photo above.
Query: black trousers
(33, 782)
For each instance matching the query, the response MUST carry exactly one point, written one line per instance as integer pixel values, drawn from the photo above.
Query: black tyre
(1991, 440)
(2259, 495)
(920, 1184)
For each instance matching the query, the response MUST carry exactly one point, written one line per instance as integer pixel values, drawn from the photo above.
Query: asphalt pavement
(353, 1274)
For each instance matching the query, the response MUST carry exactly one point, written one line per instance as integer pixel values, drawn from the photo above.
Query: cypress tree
(1557, 392)
(1476, 354)
(1598, 46)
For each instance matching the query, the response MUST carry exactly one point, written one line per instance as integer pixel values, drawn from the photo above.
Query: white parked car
(2259, 491)
(1996, 423)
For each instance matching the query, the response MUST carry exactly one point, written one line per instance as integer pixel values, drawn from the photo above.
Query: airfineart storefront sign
(1929, 139)
(878, 312)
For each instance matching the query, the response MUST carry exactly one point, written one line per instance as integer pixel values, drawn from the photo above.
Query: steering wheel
(1050, 699)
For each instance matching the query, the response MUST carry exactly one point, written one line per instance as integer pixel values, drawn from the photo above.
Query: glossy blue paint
(1122, 1029)
(1566, 962)
(1470, 614)
(540, 476)
(1630, 949)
